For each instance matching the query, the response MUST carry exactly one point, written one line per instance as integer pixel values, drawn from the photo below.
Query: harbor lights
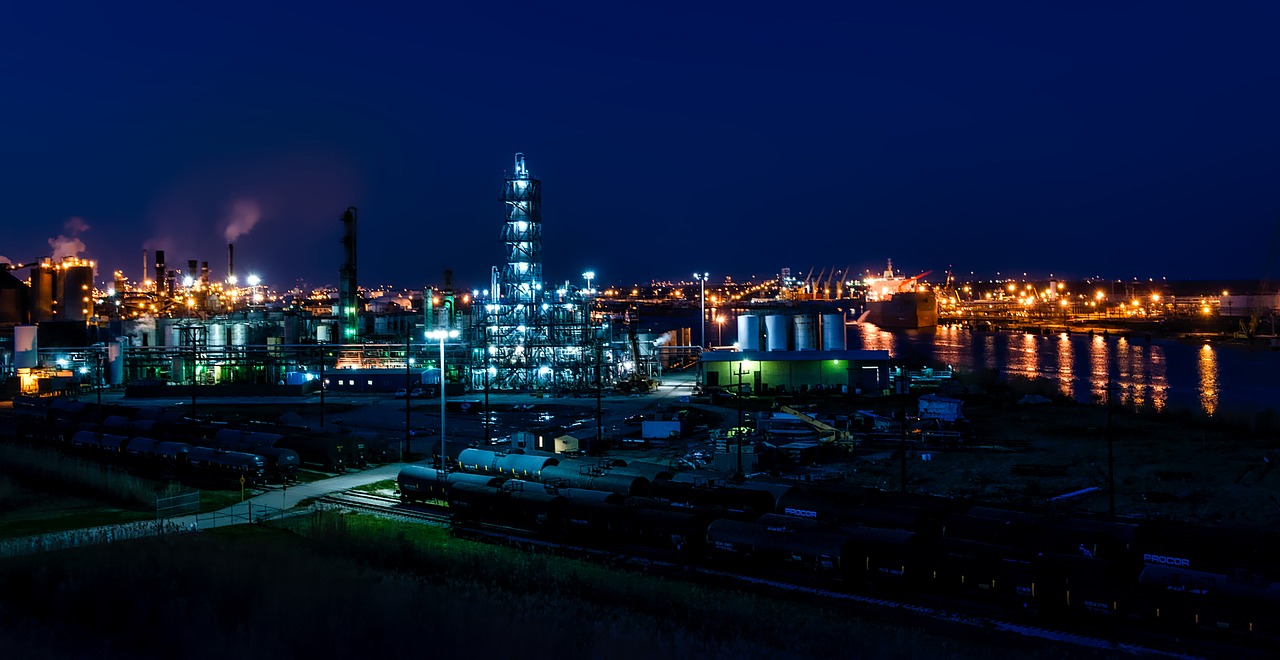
(702, 320)
(442, 335)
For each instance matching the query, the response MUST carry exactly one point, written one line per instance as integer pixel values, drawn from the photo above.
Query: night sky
(1110, 139)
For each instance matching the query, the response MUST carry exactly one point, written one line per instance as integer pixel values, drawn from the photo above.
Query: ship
(900, 302)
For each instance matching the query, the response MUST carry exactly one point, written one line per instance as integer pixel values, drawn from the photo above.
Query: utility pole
(1111, 455)
(408, 381)
(903, 386)
(488, 419)
(97, 386)
(599, 446)
(738, 431)
(321, 384)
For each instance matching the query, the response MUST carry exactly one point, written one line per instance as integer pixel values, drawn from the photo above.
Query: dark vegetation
(75, 476)
(350, 585)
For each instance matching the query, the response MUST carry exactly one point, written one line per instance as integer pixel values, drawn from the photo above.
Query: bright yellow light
(1155, 297)
(1205, 309)
(1098, 295)
(1134, 302)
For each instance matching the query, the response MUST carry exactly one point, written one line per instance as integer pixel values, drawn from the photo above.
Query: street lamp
(702, 320)
(442, 335)
(720, 330)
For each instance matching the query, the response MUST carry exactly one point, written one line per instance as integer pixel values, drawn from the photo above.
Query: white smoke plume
(67, 244)
(144, 327)
(244, 215)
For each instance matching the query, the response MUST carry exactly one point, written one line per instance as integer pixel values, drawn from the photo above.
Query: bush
(76, 476)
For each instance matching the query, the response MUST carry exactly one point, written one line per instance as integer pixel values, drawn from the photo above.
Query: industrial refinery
(182, 328)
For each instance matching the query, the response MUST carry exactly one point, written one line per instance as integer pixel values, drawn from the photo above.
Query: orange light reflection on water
(1066, 382)
(1208, 370)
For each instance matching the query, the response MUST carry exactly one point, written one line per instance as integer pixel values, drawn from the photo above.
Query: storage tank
(749, 332)
(26, 349)
(775, 331)
(324, 333)
(77, 290)
(115, 361)
(217, 334)
(806, 338)
(239, 334)
(15, 300)
(833, 337)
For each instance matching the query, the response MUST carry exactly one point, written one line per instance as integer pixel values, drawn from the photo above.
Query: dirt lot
(1165, 466)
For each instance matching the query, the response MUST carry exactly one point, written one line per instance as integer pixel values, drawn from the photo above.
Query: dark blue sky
(1112, 139)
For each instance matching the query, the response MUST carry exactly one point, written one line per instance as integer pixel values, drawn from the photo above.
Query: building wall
(792, 375)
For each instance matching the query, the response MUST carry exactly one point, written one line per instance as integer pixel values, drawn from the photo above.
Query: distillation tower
(526, 336)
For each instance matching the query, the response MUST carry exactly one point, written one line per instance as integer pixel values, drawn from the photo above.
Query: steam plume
(244, 215)
(67, 244)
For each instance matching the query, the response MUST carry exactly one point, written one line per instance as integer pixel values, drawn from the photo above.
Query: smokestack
(146, 265)
(231, 261)
(191, 268)
(159, 278)
(204, 274)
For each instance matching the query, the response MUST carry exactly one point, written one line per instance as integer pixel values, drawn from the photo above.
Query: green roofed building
(763, 372)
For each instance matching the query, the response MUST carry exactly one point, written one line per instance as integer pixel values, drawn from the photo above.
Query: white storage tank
(26, 347)
(833, 337)
(806, 338)
(749, 332)
(324, 333)
(775, 331)
(239, 334)
(217, 334)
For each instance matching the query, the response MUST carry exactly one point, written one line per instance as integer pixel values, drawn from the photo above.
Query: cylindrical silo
(26, 347)
(324, 333)
(833, 338)
(115, 361)
(806, 339)
(239, 334)
(76, 297)
(749, 332)
(217, 334)
(775, 332)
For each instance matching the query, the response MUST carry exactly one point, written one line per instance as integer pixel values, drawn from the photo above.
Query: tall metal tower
(348, 293)
(525, 336)
(522, 234)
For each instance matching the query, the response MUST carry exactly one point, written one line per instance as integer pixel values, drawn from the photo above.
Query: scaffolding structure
(523, 335)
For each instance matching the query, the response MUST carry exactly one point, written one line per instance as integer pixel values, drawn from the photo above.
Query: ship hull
(913, 309)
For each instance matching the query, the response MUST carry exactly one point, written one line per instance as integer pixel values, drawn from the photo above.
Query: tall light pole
(702, 319)
(442, 335)
(588, 276)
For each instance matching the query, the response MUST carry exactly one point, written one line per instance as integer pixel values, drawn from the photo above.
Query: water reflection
(1099, 368)
(1080, 364)
(1208, 370)
(1066, 379)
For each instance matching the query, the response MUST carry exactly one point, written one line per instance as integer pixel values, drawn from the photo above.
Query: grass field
(358, 585)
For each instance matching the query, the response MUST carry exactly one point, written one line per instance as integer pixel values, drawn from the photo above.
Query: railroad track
(382, 506)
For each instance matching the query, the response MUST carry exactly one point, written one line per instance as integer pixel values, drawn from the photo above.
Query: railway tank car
(420, 484)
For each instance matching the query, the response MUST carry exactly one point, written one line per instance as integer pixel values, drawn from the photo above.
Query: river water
(1155, 374)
